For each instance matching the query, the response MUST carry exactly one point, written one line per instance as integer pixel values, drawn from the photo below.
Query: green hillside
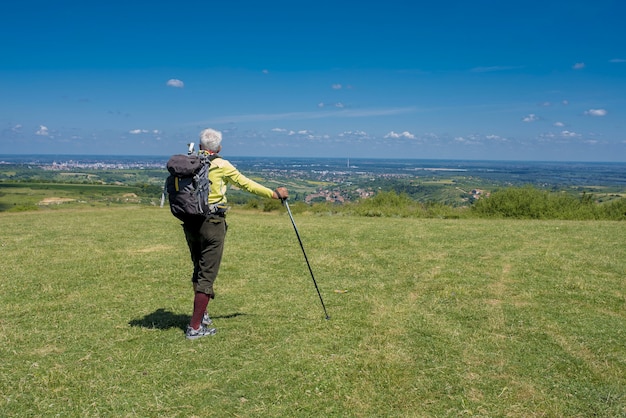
(429, 317)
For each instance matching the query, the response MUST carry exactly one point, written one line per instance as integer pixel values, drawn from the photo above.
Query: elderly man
(205, 238)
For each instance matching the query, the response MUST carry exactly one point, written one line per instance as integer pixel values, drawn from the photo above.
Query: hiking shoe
(203, 331)
(206, 320)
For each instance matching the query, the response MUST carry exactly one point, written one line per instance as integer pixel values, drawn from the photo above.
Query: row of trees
(513, 202)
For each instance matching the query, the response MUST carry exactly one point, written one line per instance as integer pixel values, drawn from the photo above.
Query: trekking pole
(305, 257)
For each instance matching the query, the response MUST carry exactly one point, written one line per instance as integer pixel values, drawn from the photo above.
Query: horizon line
(165, 156)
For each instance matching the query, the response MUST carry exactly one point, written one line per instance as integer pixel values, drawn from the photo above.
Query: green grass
(20, 197)
(429, 317)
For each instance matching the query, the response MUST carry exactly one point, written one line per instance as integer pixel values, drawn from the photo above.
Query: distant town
(335, 180)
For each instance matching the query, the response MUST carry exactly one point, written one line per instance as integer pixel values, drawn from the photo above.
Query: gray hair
(211, 139)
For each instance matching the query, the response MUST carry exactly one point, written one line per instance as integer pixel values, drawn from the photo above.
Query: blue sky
(482, 79)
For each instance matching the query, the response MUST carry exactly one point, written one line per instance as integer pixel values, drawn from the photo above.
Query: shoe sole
(212, 331)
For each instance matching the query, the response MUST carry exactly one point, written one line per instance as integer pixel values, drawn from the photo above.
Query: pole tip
(327, 317)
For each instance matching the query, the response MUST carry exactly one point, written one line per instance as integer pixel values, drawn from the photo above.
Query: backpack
(188, 186)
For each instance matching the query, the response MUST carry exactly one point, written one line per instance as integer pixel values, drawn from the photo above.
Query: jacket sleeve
(233, 176)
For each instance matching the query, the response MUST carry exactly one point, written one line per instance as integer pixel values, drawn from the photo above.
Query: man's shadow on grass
(162, 319)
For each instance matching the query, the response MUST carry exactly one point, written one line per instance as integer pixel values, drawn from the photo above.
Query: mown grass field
(20, 197)
(429, 317)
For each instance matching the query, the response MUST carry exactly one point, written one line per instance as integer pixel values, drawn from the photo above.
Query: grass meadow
(429, 317)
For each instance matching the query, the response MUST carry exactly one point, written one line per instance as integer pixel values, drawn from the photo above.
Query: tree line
(508, 203)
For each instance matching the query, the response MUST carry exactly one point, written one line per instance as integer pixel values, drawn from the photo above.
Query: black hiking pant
(205, 239)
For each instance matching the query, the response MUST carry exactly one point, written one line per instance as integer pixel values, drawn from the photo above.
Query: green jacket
(222, 173)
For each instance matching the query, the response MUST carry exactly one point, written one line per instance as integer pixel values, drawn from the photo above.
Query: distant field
(28, 196)
(332, 180)
(429, 317)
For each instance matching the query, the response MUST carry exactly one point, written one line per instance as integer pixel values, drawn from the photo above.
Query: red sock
(200, 303)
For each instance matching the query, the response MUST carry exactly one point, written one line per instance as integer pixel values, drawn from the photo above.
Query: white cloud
(569, 134)
(173, 82)
(353, 134)
(615, 60)
(404, 134)
(17, 128)
(338, 105)
(469, 140)
(42, 131)
(144, 131)
(300, 132)
(579, 66)
(336, 86)
(495, 138)
(559, 124)
(596, 112)
(530, 118)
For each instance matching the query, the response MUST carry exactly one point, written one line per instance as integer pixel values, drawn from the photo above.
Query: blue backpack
(188, 186)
